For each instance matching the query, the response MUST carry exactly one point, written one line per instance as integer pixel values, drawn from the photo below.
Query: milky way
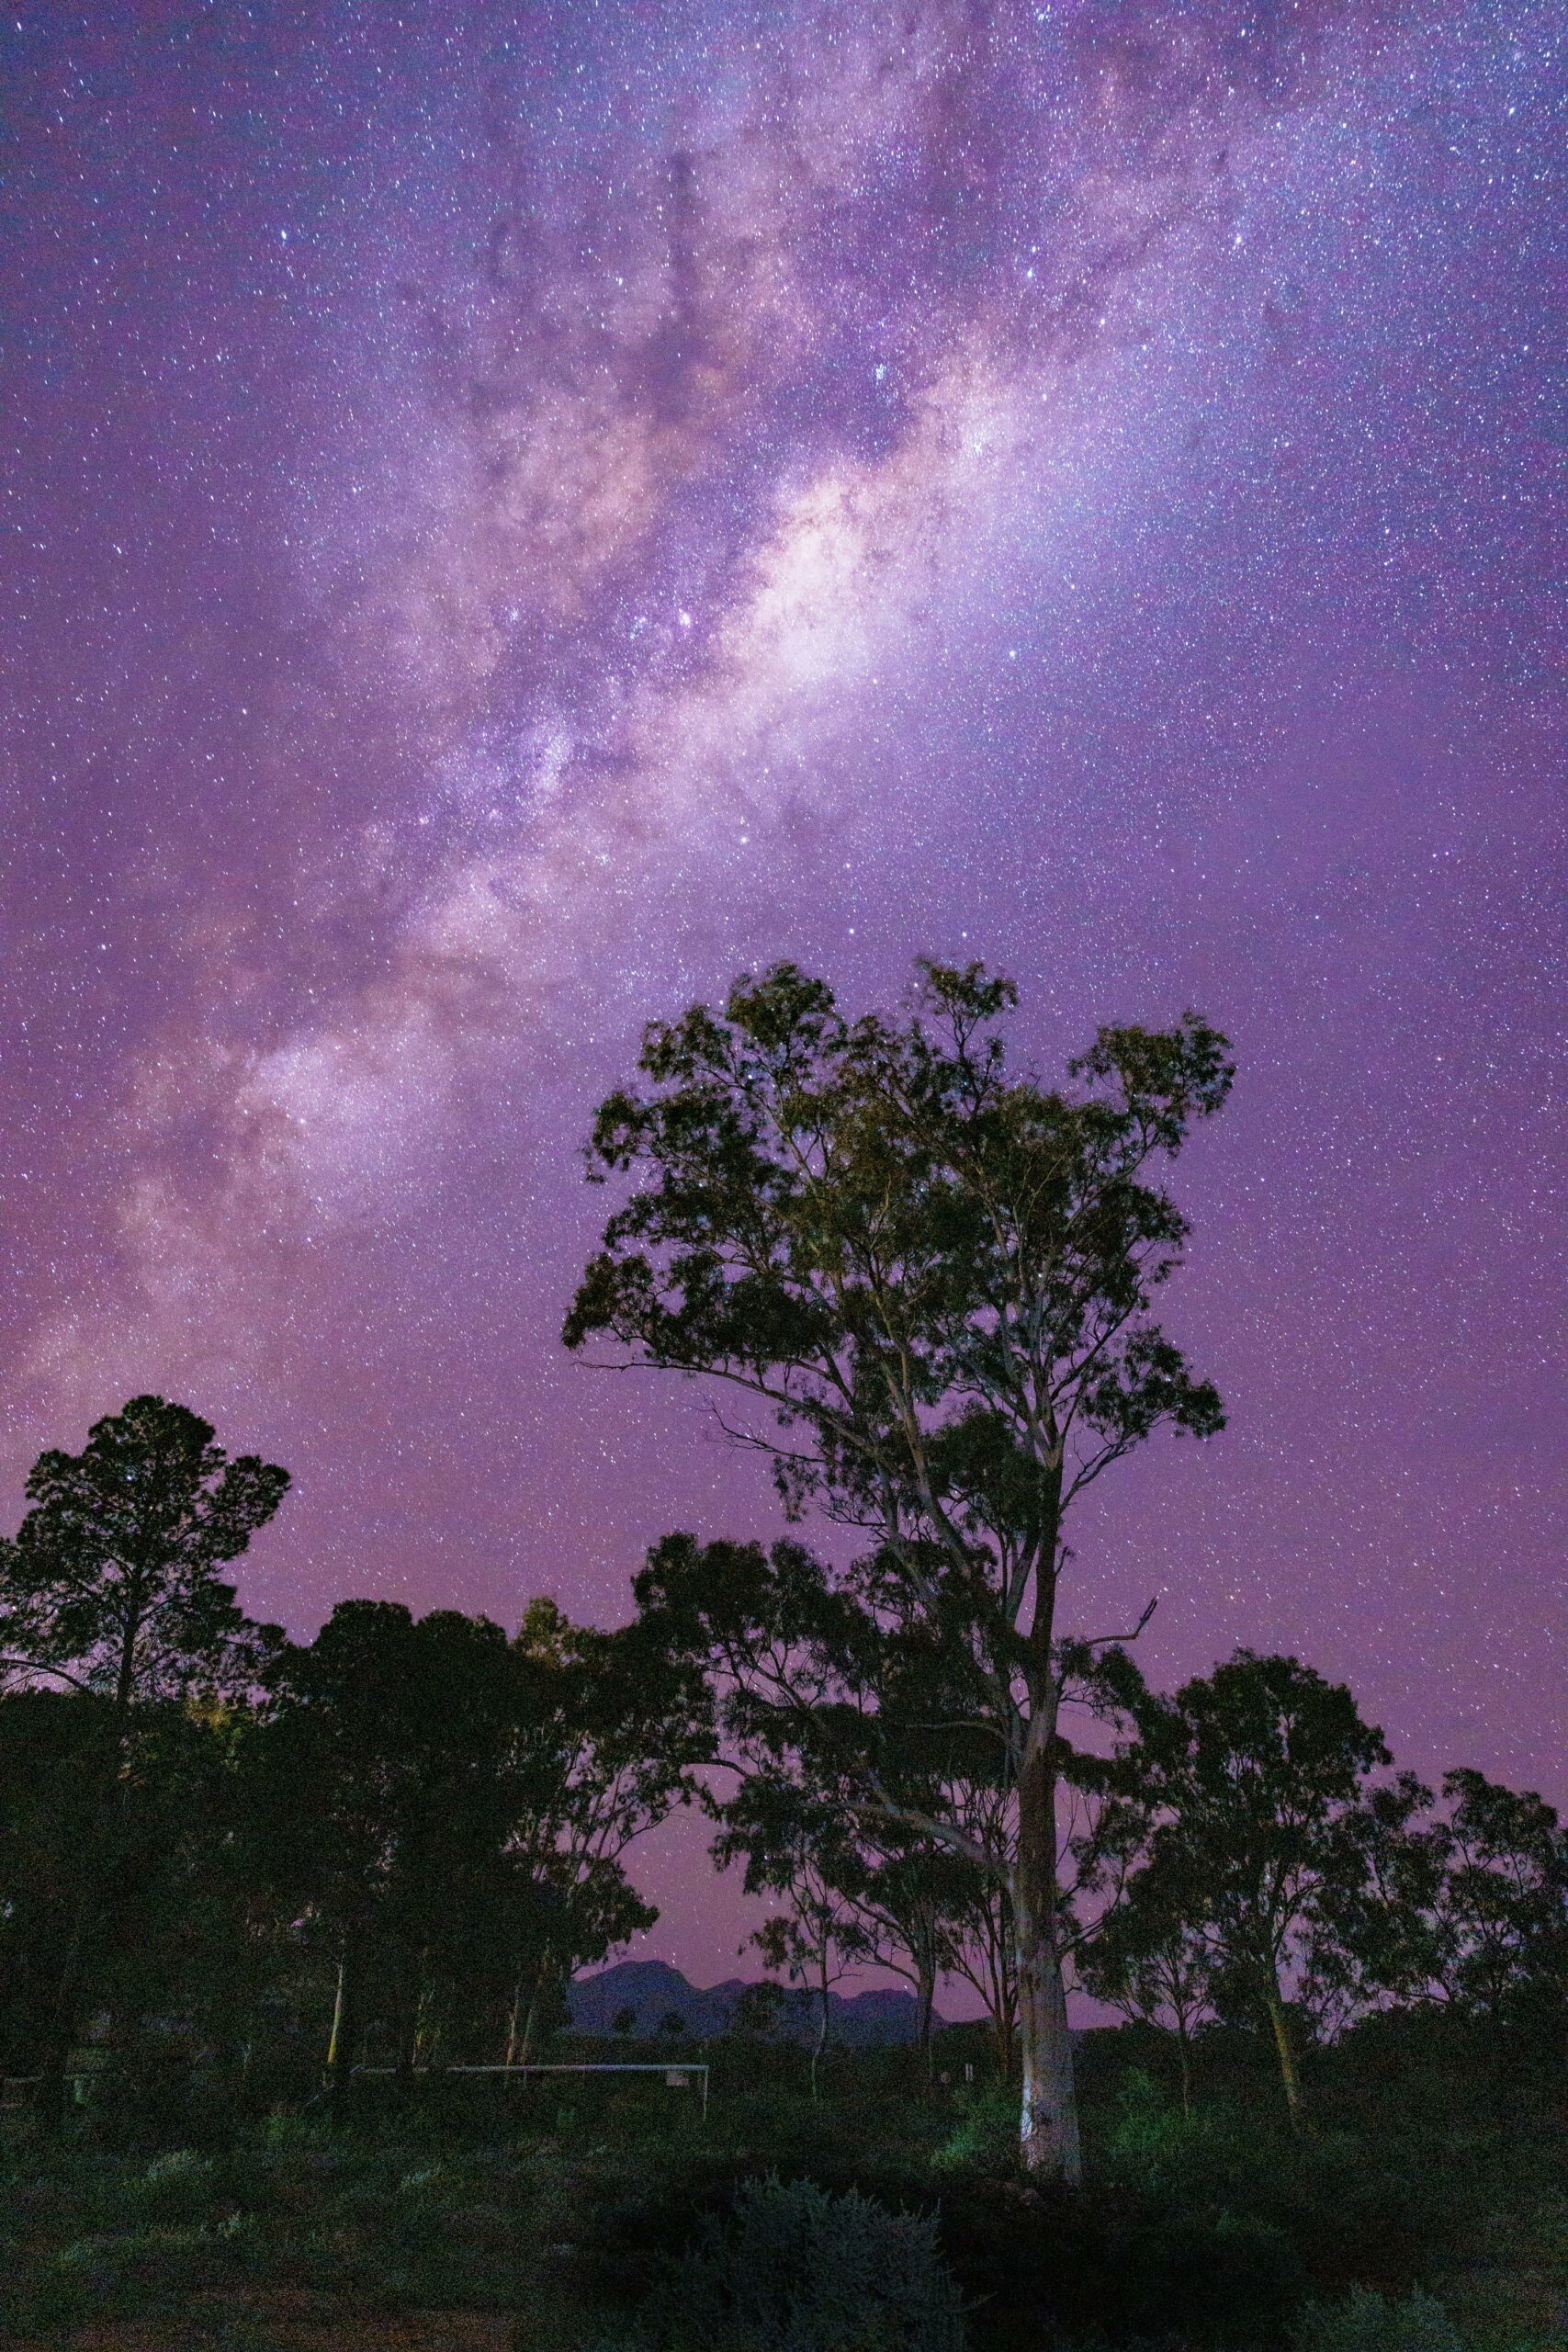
(514, 516)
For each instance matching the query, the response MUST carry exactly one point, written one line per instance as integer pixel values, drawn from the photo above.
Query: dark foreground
(470, 2216)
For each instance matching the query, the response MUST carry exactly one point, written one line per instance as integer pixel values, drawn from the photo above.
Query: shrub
(987, 2131)
(107, 2269)
(796, 2269)
(1379, 2211)
(1046, 2262)
(152, 2095)
(285, 2132)
(1151, 2139)
(175, 2187)
(84, 2280)
(1366, 2323)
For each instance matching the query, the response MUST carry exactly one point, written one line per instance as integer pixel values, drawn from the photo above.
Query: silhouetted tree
(450, 1809)
(939, 1282)
(1501, 1913)
(875, 1727)
(1375, 1936)
(907, 1900)
(796, 1851)
(57, 1750)
(1151, 1959)
(1252, 1776)
(111, 1587)
(611, 1727)
(986, 1955)
(385, 1785)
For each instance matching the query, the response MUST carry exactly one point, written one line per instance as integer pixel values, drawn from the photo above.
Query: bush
(1377, 2213)
(1045, 2261)
(1151, 2139)
(178, 2187)
(151, 2095)
(796, 2269)
(74, 2285)
(1366, 2323)
(285, 2132)
(987, 2131)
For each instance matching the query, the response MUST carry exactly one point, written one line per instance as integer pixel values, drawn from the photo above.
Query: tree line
(929, 1282)
(214, 1836)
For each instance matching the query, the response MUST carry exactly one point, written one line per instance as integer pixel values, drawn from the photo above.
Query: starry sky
(514, 514)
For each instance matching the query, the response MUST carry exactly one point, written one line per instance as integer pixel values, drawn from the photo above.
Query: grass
(540, 2219)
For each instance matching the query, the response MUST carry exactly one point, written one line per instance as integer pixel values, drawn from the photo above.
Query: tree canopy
(112, 1583)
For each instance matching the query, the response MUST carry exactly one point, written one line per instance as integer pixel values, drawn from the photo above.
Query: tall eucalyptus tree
(937, 1280)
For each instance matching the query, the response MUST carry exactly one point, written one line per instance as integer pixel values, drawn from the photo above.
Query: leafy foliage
(1367, 2321)
(795, 2269)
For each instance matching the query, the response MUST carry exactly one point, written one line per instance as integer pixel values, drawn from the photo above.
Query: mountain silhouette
(653, 1992)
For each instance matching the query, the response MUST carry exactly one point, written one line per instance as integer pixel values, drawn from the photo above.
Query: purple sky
(512, 515)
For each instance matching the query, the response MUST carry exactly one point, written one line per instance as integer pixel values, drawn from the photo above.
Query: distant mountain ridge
(653, 1991)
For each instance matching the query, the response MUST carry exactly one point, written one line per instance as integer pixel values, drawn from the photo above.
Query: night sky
(514, 515)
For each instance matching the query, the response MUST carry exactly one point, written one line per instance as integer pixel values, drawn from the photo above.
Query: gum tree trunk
(344, 2033)
(408, 2044)
(1048, 2120)
(523, 2025)
(1001, 2001)
(821, 2041)
(1289, 2074)
(515, 2027)
(1184, 2049)
(925, 2002)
